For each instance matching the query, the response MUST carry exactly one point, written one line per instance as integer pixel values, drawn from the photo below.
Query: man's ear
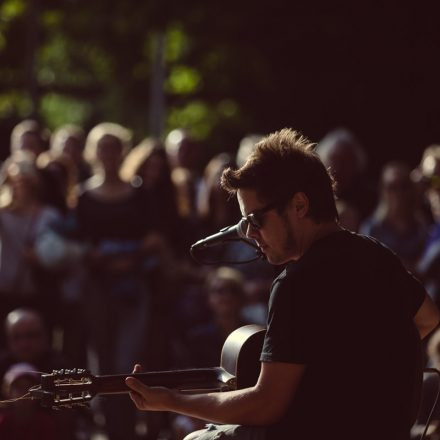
(301, 204)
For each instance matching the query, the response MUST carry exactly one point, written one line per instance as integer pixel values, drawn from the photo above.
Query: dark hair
(282, 164)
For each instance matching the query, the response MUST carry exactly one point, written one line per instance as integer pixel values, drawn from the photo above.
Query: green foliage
(94, 61)
(57, 110)
(196, 116)
(183, 80)
(11, 9)
(177, 43)
(15, 102)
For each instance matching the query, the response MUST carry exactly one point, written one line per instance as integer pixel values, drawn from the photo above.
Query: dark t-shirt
(127, 218)
(345, 310)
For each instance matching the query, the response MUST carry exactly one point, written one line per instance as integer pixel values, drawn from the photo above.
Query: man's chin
(273, 259)
(277, 260)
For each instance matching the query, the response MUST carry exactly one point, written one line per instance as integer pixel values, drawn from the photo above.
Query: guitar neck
(201, 379)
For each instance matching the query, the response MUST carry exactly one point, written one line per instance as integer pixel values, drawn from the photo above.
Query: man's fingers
(137, 368)
(137, 399)
(135, 384)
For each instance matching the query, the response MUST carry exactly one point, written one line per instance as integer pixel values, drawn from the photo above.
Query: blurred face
(26, 339)
(152, 171)
(224, 299)
(109, 153)
(343, 165)
(23, 180)
(31, 142)
(397, 188)
(278, 233)
(73, 148)
(188, 154)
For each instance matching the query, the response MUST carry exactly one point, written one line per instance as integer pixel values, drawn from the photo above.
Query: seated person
(27, 341)
(24, 419)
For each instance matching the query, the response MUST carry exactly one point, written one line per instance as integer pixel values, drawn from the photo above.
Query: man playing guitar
(341, 356)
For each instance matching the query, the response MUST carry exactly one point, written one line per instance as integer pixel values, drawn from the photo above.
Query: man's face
(278, 236)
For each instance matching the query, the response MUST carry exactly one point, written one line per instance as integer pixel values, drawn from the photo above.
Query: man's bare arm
(427, 317)
(262, 404)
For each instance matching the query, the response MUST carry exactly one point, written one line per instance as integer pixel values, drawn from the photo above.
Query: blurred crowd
(95, 270)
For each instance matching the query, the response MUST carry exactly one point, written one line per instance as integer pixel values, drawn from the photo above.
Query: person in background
(185, 155)
(30, 136)
(215, 209)
(428, 267)
(147, 166)
(225, 298)
(59, 180)
(69, 140)
(28, 340)
(25, 419)
(245, 148)
(398, 221)
(24, 218)
(117, 222)
(346, 160)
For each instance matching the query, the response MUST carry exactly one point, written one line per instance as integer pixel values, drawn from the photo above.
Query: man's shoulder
(349, 242)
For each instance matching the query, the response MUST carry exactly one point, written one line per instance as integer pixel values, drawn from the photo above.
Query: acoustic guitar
(239, 368)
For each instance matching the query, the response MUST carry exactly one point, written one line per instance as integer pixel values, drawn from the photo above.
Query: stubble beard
(289, 247)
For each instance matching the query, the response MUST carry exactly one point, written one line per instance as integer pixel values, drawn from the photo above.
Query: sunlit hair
(28, 126)
(18, 163)
(247, 144)
(117, 131)
(282, 164)
(22, 314)
(229, 275)
(49, 159)
(211, 180)
(138, 155)
(431, 155)
(64, 132)
(342, 138)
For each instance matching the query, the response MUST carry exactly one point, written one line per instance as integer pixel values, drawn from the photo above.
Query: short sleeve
(289, 336)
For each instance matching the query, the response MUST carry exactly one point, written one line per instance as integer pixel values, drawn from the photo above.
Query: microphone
(235, 232)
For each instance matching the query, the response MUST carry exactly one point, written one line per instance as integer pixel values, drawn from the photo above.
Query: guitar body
(239, 368)
(241, 354)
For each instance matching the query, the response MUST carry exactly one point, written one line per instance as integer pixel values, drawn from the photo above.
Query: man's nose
(252, 232)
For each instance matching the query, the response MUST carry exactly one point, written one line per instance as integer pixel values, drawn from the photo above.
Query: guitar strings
(10, 402)
(27, 396)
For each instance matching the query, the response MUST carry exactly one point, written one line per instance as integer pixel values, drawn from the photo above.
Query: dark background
(369, 66)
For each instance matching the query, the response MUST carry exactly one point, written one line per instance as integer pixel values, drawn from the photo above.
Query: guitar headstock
(64, 388)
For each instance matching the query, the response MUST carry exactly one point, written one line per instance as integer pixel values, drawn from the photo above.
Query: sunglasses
(256, 218)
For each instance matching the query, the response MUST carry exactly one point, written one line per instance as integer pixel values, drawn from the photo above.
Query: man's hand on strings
(148, 398)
